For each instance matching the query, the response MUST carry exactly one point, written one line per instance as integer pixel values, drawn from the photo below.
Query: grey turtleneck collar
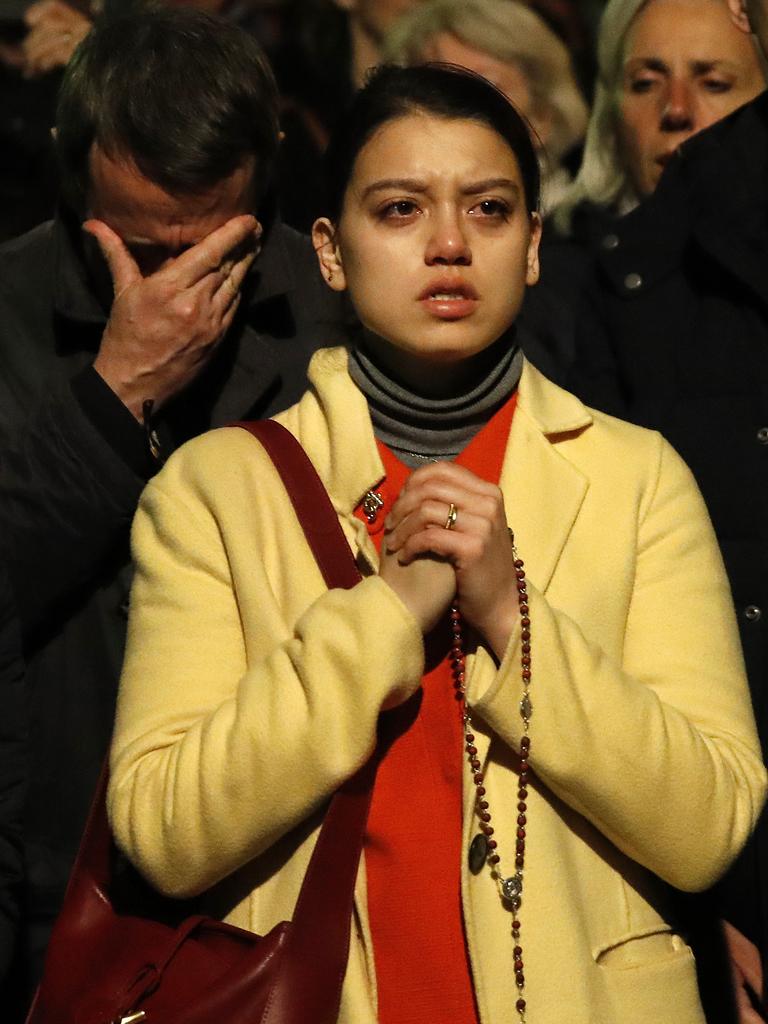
(420, 429)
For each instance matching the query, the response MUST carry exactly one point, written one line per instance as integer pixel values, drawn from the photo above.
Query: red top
(413, 845)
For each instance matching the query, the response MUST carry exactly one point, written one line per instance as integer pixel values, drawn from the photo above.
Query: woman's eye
(717, 85)
(641, 85)
(495, 208)
(399, 209)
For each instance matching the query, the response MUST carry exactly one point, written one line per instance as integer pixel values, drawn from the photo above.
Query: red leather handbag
(120, 953)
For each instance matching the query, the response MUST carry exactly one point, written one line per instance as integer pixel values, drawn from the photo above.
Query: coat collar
(543, 491)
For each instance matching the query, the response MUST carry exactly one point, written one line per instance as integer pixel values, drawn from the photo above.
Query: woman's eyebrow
(646, 63)
(488, 184)
(703, 67)
(406, 184)
(416, 185)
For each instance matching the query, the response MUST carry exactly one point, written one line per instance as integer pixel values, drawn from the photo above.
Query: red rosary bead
(510, 888)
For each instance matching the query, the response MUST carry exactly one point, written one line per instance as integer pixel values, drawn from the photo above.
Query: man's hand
(747, 973)
(55, 29)
(164, 328)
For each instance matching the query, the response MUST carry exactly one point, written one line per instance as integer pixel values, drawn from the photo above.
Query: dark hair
(186, 95)
(441, 89)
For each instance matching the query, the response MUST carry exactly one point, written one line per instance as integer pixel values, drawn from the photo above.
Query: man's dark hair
(185, 95)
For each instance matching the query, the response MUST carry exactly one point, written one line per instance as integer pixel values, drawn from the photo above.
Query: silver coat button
(762, 435)
(632, 282)
(753, 613)
(610, 242)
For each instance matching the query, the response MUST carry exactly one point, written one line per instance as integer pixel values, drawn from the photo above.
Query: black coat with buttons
(672, 333)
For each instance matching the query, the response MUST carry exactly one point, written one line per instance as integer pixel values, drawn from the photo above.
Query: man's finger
(35, 12)
(208, 255)
(122, 265)
(232, 279)
(229, 316)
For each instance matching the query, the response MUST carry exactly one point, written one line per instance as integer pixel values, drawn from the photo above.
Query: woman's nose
(448, 243)
(677, 114)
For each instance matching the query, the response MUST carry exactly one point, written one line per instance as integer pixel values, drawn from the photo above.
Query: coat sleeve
(231, 731)
(66, 499)
(657, 750)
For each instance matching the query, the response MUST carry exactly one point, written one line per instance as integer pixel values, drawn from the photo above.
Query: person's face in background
(507, 76)
(686, 66)
(435, 243)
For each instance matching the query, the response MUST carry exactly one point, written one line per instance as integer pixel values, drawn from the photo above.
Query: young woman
(612, 753)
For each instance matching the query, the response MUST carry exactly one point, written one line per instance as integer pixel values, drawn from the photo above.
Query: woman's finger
(459, 549)
(436, 515)
(451, 474)
(486, 506)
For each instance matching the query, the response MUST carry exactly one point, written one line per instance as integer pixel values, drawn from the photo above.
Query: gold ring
(453, 515)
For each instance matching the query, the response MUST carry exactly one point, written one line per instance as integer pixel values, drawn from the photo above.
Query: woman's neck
(424, 419)
(434, 379)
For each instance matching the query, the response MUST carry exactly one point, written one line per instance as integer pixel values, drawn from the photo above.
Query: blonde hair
(512, 33)
(602, 177)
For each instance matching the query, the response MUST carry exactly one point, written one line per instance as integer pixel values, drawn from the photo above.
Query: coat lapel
(543, 490)
(543, 493)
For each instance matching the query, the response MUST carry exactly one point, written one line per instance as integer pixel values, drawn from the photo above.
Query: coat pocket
(651, 977)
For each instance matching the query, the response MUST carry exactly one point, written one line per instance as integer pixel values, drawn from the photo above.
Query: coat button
(478, 853)
(762, 435)
(633, 281)
(610, 242)
(753, 613)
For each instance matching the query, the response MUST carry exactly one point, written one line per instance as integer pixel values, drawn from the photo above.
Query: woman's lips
(448, 300)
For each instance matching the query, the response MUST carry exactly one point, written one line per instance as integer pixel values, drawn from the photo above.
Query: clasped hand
(427, 564)
(163, 328)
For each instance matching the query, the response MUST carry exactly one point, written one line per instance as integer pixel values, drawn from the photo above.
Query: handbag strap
(310, 982)
(311, 502)
(309, 985)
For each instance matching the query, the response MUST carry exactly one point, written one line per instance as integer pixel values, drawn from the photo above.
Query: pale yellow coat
(249, 693)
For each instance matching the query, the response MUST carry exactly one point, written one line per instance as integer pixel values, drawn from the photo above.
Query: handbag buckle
(131, 1018)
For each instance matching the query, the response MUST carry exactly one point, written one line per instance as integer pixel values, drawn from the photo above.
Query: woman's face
(435, 243)
(686, 66)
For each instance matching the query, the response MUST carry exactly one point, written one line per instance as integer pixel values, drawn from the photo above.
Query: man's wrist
(117, 424)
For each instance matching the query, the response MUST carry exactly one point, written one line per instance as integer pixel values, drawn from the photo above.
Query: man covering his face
(165, 298)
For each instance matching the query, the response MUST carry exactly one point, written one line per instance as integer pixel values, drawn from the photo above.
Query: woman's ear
(326, 246)
(532, 269)
(738, 9)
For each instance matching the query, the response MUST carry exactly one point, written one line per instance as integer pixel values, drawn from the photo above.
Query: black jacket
(674, 335)
(73, 463)
(13, 771)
